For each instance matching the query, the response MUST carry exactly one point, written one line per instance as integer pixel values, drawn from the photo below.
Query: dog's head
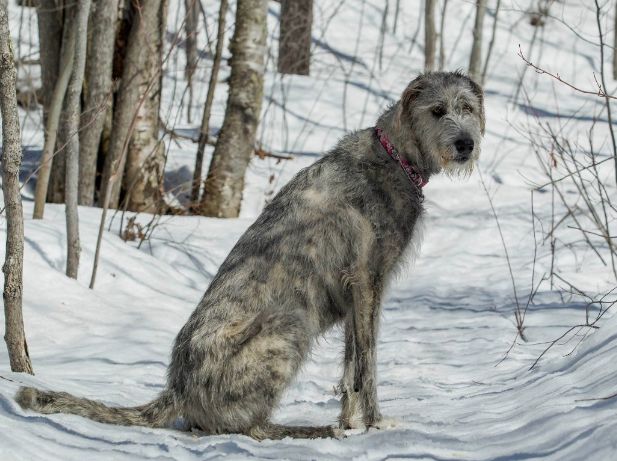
(445, 112)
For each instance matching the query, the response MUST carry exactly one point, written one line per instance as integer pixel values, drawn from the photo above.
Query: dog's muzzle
(464, 148)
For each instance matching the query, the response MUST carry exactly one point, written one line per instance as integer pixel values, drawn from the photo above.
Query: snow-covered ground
(448, 319)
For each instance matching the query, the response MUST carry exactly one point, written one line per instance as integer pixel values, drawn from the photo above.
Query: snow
(448, 318)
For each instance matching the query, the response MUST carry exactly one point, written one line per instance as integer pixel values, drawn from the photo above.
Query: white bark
(143, 180)
(138, 88)
(236, 141)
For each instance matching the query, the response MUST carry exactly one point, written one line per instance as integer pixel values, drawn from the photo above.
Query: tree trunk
(50, 21)
(205, 120)
(442, 52)
(295, 37)
(190, 27)
(50, 15)
(475, 60)
(615, 46)
(55, 190)
(397, 10)
(14, 335)
(236, 141)
(430, 37)
(137, 100)
(143, 181)
(73, 106)
(491, 43)
(54, 113)
(96, 92)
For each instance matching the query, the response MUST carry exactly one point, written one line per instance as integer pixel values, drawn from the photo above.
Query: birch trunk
(143, 180)
(236, 141)
(430, 36)
(295, 37)
(205, 120)
(140, 80)
(96, 92)
(475, 60)
(73, 106)
(14, 335)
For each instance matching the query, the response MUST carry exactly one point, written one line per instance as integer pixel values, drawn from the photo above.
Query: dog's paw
(383, 423)
(338, 433)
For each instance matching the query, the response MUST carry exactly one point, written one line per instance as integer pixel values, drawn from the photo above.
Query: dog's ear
(412, 91)
(479, 92)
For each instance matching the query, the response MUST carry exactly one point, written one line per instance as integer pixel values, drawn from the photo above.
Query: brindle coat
(321, 253)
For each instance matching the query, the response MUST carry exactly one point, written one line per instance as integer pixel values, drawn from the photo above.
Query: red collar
(414, 176)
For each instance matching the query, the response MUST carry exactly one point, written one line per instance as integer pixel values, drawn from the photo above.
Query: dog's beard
(455, 169)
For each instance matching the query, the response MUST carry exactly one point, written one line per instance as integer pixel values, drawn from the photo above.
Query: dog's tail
(158, 413)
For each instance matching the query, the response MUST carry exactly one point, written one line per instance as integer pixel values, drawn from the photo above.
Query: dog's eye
(467, 108)
(439, 111)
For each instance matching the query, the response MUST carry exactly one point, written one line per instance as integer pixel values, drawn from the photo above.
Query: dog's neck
(406, 142)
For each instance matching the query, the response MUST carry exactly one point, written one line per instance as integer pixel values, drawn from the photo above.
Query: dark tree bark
(205, 120)
(52, 118)
(55, 190)
(236, 141)
(615, 45)
(50, 15)
(430, 36)
(96, 92)
(14, 335)
(295, 37)
(190, 45)
(135, 125)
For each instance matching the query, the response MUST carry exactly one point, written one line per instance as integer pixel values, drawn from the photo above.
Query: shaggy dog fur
(321, 253)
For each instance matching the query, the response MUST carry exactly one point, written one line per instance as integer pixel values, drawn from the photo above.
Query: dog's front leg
(365, 318)
(351, 413)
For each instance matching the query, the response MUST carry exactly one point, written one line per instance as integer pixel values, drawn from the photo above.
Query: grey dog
(321, 253)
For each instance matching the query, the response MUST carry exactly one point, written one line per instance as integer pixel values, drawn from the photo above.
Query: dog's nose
(464, 146)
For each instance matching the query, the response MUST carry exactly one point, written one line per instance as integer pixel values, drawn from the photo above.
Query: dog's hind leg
(279, 431)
